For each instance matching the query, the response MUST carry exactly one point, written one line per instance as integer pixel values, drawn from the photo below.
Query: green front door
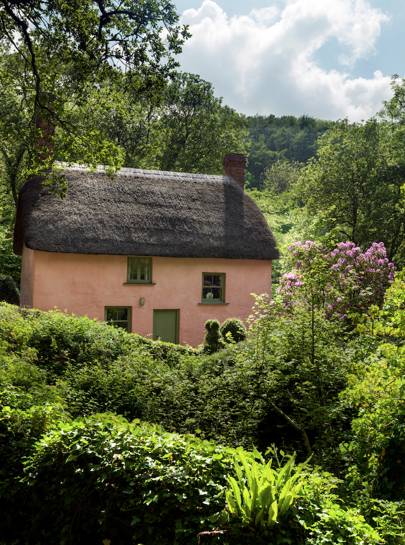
(166, 325)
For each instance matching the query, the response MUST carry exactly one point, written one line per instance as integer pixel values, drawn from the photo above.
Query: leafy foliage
(102, 478)
(59, 340)
(233, 330)
(282, 385)
(352, 189)
(141, 484)
(260, 496)
(8, 290)
(213, 340)
(59, 53)
(281, 138)
(375, 452)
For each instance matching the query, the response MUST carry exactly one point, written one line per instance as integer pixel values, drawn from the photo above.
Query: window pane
(212, 280)
(139, 269)
(121, 314)
(110, 314)
(118, 317)
(212, 293)
(213, 287)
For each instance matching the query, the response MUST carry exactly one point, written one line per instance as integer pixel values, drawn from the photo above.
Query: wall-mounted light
(141, 301)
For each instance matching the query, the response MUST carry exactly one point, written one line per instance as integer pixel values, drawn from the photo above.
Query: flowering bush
(343, 281)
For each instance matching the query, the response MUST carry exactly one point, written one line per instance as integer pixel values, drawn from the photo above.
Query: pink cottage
(158, 253)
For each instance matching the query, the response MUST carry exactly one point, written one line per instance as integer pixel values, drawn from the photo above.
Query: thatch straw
(142, 212)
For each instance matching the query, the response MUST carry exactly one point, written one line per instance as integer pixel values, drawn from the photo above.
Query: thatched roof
(141, 212)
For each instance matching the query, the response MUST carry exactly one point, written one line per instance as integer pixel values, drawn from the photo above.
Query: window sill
(139, 283)
(212, 303)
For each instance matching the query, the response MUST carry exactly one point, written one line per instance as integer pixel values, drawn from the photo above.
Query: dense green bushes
(60, 340)
(279, 387)
(19, 430)
(129, 483)
(233, 331)
(299, 380)
(101, 478)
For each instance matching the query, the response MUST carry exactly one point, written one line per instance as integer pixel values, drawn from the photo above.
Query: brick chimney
(235, 167)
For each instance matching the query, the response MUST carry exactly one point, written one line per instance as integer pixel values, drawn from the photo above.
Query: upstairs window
(118, 317)
(139, 270)
(213, 288)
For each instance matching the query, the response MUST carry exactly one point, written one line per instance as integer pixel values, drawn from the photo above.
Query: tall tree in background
(61, 50)
(198, 130)
(352, 190)
(179, 125)
(282, 176)
(281, 138)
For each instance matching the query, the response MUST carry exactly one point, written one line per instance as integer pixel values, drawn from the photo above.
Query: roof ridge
(128, 171)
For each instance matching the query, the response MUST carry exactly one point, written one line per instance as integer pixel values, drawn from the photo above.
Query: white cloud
(265, 61)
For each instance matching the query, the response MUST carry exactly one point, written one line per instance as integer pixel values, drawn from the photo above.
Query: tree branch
(23, 27)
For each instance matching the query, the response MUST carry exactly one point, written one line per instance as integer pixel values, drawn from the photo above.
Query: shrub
(8, 290)
(101, 479)
(233, 330)
(389, 519)
(61, 340)
(126, 386)
(19, 430)
(211, 395)
(375, 451)
(23, 384)
(15, 330)
(213, 340)
(325, 518)
(167, 352)
(104, 479)
(344, 281)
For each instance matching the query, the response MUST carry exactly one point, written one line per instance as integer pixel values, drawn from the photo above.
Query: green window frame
(119, 317)
(139, 270)
(213, 288)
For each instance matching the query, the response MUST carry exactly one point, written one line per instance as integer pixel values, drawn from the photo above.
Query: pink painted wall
(84, 284)
(27, 277)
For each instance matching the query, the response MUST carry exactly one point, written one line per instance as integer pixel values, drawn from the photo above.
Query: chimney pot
(235, 167)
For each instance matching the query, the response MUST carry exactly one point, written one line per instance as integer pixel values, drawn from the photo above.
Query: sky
(331, 59)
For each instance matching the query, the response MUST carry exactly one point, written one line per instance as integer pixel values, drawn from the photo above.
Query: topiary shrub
(213, 340)
(233, 330)
(8, 290)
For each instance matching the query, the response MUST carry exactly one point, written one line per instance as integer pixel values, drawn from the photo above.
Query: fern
(259, 495)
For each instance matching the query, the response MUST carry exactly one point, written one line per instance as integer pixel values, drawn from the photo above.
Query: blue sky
(326, 58)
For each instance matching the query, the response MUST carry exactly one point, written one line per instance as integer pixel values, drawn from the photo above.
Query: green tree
(352, 189)
(281, 138)
(62, 50)
(198, 129)
(54, 55)
(179, 125)
(282, 176)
